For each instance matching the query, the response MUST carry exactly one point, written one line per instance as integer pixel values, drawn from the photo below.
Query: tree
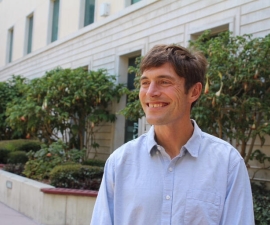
(235, 104)
(9, 91)
(67, 104)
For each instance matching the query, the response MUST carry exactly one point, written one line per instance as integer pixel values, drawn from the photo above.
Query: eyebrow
(158, 77)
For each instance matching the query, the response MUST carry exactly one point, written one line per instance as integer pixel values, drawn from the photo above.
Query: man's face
(162, 96)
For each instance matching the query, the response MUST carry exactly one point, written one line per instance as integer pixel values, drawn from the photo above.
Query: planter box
(44, 203)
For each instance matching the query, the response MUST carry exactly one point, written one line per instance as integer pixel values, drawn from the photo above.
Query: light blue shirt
(206, 184)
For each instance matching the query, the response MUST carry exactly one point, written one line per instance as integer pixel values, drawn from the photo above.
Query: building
(39, 35)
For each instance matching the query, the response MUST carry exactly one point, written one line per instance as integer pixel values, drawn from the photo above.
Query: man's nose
(153, 90)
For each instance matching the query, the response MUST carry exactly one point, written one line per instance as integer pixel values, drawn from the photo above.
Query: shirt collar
(192, 145)
(151, 142)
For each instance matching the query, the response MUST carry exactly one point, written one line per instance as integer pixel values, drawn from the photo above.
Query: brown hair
(189, 65)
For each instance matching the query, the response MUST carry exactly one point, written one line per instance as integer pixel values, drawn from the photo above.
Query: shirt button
(170, 169)
(168, 197)
(157, 152)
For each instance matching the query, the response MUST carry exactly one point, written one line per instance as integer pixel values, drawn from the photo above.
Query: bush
(14, 145)
(77, 176)
(94, 162)
(29, 146)
(261, 202)
(17, 157)
(41, 163)
(14, 168)
(4, 155)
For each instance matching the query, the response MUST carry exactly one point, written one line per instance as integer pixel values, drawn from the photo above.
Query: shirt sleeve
(104, 206)
(238, 207)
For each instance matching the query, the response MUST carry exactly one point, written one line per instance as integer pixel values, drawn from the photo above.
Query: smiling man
(175, 174)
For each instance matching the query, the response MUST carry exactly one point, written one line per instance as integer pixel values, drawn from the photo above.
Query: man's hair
(189, 65)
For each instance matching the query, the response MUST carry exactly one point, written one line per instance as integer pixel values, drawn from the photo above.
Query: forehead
(164, 71)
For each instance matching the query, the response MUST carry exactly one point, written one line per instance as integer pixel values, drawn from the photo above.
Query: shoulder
(221, 149)
(129, 150)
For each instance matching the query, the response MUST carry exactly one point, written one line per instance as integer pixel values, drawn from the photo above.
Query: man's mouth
(156, 105)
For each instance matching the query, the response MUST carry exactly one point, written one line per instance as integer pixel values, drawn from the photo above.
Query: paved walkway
(9, 216)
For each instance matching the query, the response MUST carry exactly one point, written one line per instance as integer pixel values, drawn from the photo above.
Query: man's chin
(155, 121)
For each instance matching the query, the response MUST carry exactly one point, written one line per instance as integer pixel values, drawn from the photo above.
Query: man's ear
(195, 92)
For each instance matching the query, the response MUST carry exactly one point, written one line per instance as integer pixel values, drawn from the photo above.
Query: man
(175, 174)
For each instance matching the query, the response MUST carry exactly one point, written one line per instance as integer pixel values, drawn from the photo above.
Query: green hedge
(94, 162)
(15, 145)
(17, 157)
(29, 146)
(14, 168)
(261, 202)
(4, 156)
(76, 176)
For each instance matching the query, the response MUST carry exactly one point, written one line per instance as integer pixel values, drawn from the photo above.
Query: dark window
(55, 19)
(10, 50)
(131, 127)
(134, 1)
(30, 34)
(89, 12)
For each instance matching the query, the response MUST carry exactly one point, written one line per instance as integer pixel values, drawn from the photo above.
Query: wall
(26, 197)
(14, 14)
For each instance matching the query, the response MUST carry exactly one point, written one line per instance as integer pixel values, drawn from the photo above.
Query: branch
(253, 139)
(219, 129)
(263, 168)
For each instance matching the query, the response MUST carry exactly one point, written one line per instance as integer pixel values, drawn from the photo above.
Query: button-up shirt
(206, 184)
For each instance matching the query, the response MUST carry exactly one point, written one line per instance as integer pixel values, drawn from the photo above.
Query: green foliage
(77, 176)
(133, 109)
(261, 202)
(94, 162)
(8, 91)
(235, 104)
(4, 153)
(14, 145)
(261, 158)
(17, 157)
(29, 146)
(14, 168)
(65, 103)
(41, 163)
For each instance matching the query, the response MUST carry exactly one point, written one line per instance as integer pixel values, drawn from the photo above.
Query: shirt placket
(167, 197)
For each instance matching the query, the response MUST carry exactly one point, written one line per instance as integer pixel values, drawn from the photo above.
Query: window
(131, 2)
(214, 31)
(55, 19)
(30, 21)
(10, 45)
(131, 127)
(89, 12)
(85, 68)
(134, 1)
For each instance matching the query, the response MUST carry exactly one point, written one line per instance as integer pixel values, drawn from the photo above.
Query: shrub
(94, 162)
(17, 157)
(14, 168)
(62, 103)
(77, 176)
(4, 155)
(41, 163)
(14, 145)
(29, 146)
(261, 202)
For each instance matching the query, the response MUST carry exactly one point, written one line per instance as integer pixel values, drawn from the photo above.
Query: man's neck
(173, 137)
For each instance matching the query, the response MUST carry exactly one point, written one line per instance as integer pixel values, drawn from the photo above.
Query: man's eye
(145, 83)
(164, 82)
